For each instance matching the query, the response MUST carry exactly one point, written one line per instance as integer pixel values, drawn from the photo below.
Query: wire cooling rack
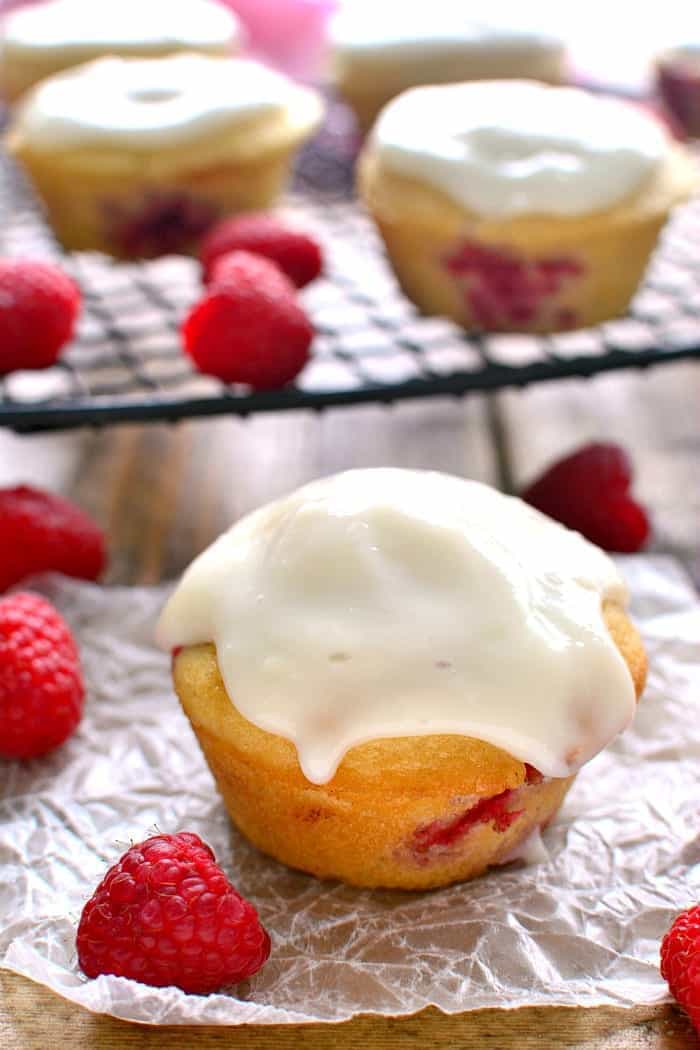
(126, 362)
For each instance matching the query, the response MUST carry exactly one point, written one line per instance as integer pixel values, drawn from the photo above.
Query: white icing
(503, 148)
(94, 27)
(141, 103)
(378, 29)
(383, 603)
(531, 850)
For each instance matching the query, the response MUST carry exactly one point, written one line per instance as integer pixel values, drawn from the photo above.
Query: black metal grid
(126, 362)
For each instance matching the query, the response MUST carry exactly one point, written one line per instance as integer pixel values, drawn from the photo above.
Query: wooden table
(163, 493)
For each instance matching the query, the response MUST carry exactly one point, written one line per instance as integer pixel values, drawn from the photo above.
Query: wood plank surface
(164, 492)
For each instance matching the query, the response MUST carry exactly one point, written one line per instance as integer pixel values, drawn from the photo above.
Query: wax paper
(581, 928)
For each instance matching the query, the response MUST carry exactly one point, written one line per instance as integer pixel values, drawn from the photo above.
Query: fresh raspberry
(41, 687)
(42, 532)
(589, 491)
(39, 305)
(165, 914)
(250, 327)
(296, 254)
(680, 962)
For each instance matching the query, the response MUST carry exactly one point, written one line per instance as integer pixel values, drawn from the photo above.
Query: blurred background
(609, 41)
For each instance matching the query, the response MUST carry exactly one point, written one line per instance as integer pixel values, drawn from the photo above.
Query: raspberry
(42, 532)
(506, 291)
(680, 962)
(441, 835)
(41, 688)
(39, 305)
(165, 914)
(250, 327)
(296, 254)
(589, 491)
(157, 224)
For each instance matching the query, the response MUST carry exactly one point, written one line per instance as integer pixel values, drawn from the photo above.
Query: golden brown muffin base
(86, 210)
(369, 824)
(424, 232)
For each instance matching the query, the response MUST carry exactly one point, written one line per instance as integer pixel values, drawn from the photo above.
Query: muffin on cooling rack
(138, 157)
(38, 41)
(378, 53)
(394, 675)
(515, 206)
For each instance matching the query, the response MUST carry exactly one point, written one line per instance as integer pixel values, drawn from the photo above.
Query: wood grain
(164, 492)
(31, 1018)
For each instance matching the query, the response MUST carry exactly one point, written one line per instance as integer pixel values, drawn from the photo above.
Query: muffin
(678, 84)
(138, 157)
(377, 55)
(38, 41)
(394, 675)
(514, 206)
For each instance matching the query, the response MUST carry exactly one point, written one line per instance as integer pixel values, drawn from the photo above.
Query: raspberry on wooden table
(590, 491)
(680, 962)
(165, 914)
(43, 532)
(41, 686)
(39, 305)
(249, 327)
(296, 254)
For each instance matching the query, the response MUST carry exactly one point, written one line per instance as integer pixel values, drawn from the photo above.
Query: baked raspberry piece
(165, 914)
(41, 686)
(296, 254)
(43, 532)
(440, 835)
(680, 962)
(249, 327)
(39, 305)
(506, 291)
(589, 491)
(157, 224)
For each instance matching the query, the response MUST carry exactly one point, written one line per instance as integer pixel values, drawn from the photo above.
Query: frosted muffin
(394, 675)
(380, 53)
(514, 206)
(138, 157)
(38, 41)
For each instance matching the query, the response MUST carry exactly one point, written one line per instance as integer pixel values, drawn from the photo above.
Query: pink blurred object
(288, 34)
(10, 5)
(678, 83)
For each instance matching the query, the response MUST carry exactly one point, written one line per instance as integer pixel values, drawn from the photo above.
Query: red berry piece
(39, 305)
(249, 327)
(680, 962)
(42, 532)
(296, 254)
(163, 223)
(507, 292)
(41, 687)
(441, 835)
(589, 491)
(165, 914)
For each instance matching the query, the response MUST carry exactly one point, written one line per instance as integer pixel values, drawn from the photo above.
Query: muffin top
(508, 148)
(138, 104)
(371, 29)
(82, 29)
(392, 603)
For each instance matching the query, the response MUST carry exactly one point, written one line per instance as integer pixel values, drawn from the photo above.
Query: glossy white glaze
(83, 29)
(504, 148)
(143, 103)
(383, 603)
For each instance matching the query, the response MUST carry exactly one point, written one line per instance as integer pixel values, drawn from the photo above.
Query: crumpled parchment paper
(582, 928)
